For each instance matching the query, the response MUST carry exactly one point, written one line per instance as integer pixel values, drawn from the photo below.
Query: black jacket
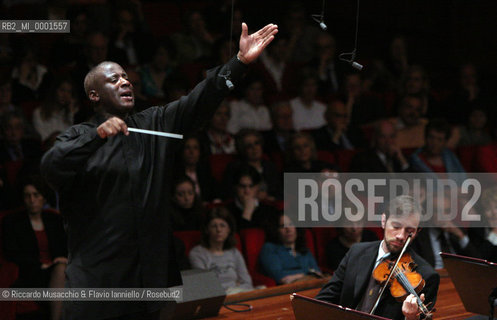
(113, 195)
(350, 280)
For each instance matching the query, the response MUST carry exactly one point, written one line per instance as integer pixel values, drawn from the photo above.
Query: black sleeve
(72, 149)
(193, 110)
(13, 248)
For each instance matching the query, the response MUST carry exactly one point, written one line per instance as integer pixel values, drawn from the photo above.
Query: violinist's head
(401, 218)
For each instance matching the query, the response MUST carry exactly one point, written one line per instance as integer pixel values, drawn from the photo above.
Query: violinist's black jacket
(349, 282)
(114, 198)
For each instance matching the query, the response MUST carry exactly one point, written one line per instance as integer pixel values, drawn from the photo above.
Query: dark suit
(348, 284)
(21, 246)
(369, 161)
(422, 245)
(323, 139)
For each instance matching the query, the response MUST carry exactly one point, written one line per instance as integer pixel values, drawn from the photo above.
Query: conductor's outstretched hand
(252, 45)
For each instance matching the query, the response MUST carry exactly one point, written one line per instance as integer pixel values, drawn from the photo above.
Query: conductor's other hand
(252, 45)
(111, 127)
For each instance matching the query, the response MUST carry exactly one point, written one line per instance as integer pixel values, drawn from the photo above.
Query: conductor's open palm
(252, 45)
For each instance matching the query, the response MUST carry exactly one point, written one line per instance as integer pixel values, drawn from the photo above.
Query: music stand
(474, 279)
(309, 308)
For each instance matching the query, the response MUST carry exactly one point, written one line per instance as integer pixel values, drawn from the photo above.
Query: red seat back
(218, 163)
(252, 242)
(467, 156)
(344, 157)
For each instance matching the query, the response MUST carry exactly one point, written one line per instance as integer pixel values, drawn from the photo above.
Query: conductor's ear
(93, 96)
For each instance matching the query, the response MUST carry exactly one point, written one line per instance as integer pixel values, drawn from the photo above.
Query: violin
(402, 278)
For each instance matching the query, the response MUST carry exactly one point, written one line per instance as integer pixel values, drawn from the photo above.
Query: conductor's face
(114, 89)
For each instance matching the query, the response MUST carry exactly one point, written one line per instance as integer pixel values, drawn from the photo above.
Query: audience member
(218, 252)
(327, 66)
(385, 155)
(277, 139)
(29, 75)
(250, 112)
(194, 165)
(410, 124)
(249, 145)
(475, 132)
(302, 155)
(276, 72)
(397, 60)
(129, 42)
(435, 156)
(285, 256)
(195, 42)
(56, 114)
(246, 208)
(6, 104)
(160, 68)
(337, 248)
(216, 139)
(187, 211)
(34, 239)
(468, 94)
(336, 134)
(363, 107)
(16, 145)
(308, 113)
(417, 82)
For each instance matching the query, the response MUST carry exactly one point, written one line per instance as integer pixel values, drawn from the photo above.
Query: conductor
(112, 183)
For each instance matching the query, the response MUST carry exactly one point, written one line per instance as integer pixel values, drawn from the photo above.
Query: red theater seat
(326, 156)
(218, 163)
(467, 157)
(252, 241)
(344, 157)
(486, 158)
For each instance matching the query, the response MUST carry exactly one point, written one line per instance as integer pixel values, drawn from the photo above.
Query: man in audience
(276, 139)
(410, 124)
(336, 135)
(385, 155)
(447, 237)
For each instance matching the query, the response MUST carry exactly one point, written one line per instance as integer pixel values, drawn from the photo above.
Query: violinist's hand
(410, 307)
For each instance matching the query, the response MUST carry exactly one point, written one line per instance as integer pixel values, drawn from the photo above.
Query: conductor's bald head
(107, 85)
(92, 75)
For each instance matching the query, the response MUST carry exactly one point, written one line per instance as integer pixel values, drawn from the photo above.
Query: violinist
(353, 284)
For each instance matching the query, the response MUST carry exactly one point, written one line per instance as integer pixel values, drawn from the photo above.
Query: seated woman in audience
(216, 139)
(187, 211)
(247, 210)
(193, 165)
(57, 112)
(285, 256)
(347, 236)
(475, 132)
(35, 240)
(161, 68)
(218, 252)
(250, 112)
(302, 155)
(249, 145)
